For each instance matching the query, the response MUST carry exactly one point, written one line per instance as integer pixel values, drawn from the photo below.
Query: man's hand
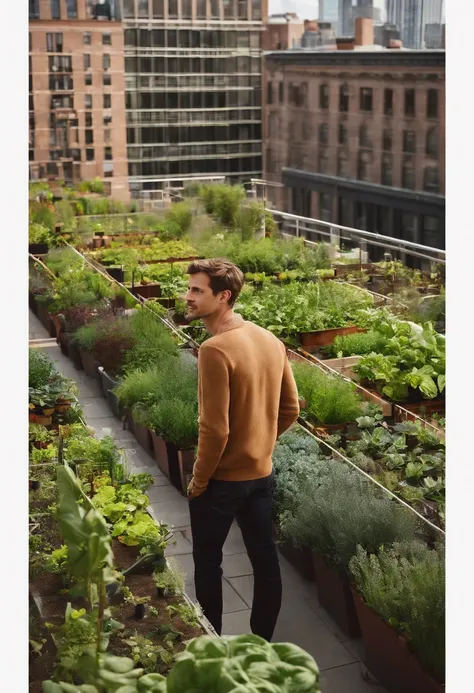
(194, 492)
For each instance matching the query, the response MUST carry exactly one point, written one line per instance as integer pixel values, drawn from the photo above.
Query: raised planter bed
(312, 340)
(73, 353)
(89, 363)
(44, 316)
(146, 290)
(336, 597)
(388, 657)
(180, 464)
(161, 454)
(38, 248)
(343, 269)
(299, 559)
(143, 436)
(108, 384)
(117, 273)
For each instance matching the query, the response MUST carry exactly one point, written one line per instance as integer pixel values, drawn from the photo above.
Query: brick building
(282, 31)
(76, 93)
(357, 137)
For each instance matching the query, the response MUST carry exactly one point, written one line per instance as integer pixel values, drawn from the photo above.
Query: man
(247, 398)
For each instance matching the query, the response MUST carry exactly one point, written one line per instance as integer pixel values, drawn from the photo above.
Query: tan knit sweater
(247, 398)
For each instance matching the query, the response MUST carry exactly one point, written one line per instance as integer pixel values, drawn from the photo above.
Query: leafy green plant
(170, 581)
(405, 585)
(38, 233)
(40, 368)
(180, 213)
(245, 663)
(337, 512)
(356, 344)
(176, 421)
(39, 434)
(329, 398)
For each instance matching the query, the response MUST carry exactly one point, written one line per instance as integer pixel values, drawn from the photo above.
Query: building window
(366, 99)
(107, 101)
(187, 9)
(431, 179)
(431, 232)
(107, 135)
(172, 9)
(52, 169)
(432, 143)
(108, 153)
(71, 9)
(107, 120)
(325, 206)
(386, 169)
(387, 141)
(281, 92)
(388, 102)
(107, 80)
(432, 103)
(324, 96)
(54, 43)
(409, 141)
(29, 42)
(201, 9)
(344, 98)
(87, 61)
(158, 9)
(88, 119)
(108, 169)
(88, 101)
(107, 39)
(408, 175)
(364, 137)
(128, 9)
(76, 154)
(106, 61)
(88, 79)
(363, 161)
(269, 93)
(409, 102)
(87, 38)
(89, 155)
(34, 9)
(55, 9)
(143, 9)
(342, 164)
(342, 134)
(89, 136)
(323, 133)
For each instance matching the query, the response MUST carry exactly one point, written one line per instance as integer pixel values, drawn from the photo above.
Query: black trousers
(212, 514)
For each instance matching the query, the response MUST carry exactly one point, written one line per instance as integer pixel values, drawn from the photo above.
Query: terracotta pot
(97, 242)
(48, 411)
(388, 657)
(299, 559)
(161, 453)
(40, 445)
(336, 597)
(39, 419)
(89, 363)
(62, 407)
(319, 338)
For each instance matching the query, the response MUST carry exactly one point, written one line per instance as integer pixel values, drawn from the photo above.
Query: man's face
(199, 298)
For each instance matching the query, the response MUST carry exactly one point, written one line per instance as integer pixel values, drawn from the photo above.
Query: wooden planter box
(161, 454)
(108, 385)
(74, 353)
(180, 466)
(116, 273)
(146, 290)
(89, 363)
(388, 656)
(43, 315)
(38, 248)
(312, 340)
(343, 269)
(299, 559)
(143, 436)
(33, 306)
(63, 343)
(336, 597)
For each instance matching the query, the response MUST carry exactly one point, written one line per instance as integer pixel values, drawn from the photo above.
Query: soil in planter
(40, 665)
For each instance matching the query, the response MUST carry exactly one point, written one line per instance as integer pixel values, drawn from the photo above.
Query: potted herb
(85, 339)
(334, 514)
(400, 601)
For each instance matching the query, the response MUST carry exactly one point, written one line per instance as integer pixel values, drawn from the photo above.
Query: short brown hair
(223, 276)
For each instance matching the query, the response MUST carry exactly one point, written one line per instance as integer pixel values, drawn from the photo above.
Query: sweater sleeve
(214, 400)
(289, 404)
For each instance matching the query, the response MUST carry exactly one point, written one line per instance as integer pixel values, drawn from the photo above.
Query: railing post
(335, 235)
(297, 228)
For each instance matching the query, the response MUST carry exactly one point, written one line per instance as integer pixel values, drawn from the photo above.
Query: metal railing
(316, 230)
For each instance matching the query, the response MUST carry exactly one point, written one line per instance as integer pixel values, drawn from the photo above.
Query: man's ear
(225, 296)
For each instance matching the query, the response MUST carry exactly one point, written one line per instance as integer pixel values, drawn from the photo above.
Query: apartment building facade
(358, 138)
(76, 93)
(193, 93)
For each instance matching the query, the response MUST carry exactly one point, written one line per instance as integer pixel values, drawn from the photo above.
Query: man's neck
(213, 322)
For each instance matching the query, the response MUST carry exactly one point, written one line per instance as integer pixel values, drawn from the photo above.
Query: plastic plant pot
(140, 611)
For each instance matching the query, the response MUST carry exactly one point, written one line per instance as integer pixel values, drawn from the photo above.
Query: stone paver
(302, 620)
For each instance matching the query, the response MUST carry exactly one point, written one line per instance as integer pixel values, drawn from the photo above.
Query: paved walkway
(302, 621)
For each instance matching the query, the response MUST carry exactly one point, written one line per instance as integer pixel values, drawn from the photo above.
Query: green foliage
(176, 421)
(170, 581)
(87, 336)
(356, 344)
(329, 398)
(337, 512)
(42, 213)
(405, 585)
(223, 201)
(64, 260)
(40, 368)
(38, 233)
(292, 308)
(138, 386)
(39, 434)
(181, 215)
(245, 663)
(93, 186)
(153, 341)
